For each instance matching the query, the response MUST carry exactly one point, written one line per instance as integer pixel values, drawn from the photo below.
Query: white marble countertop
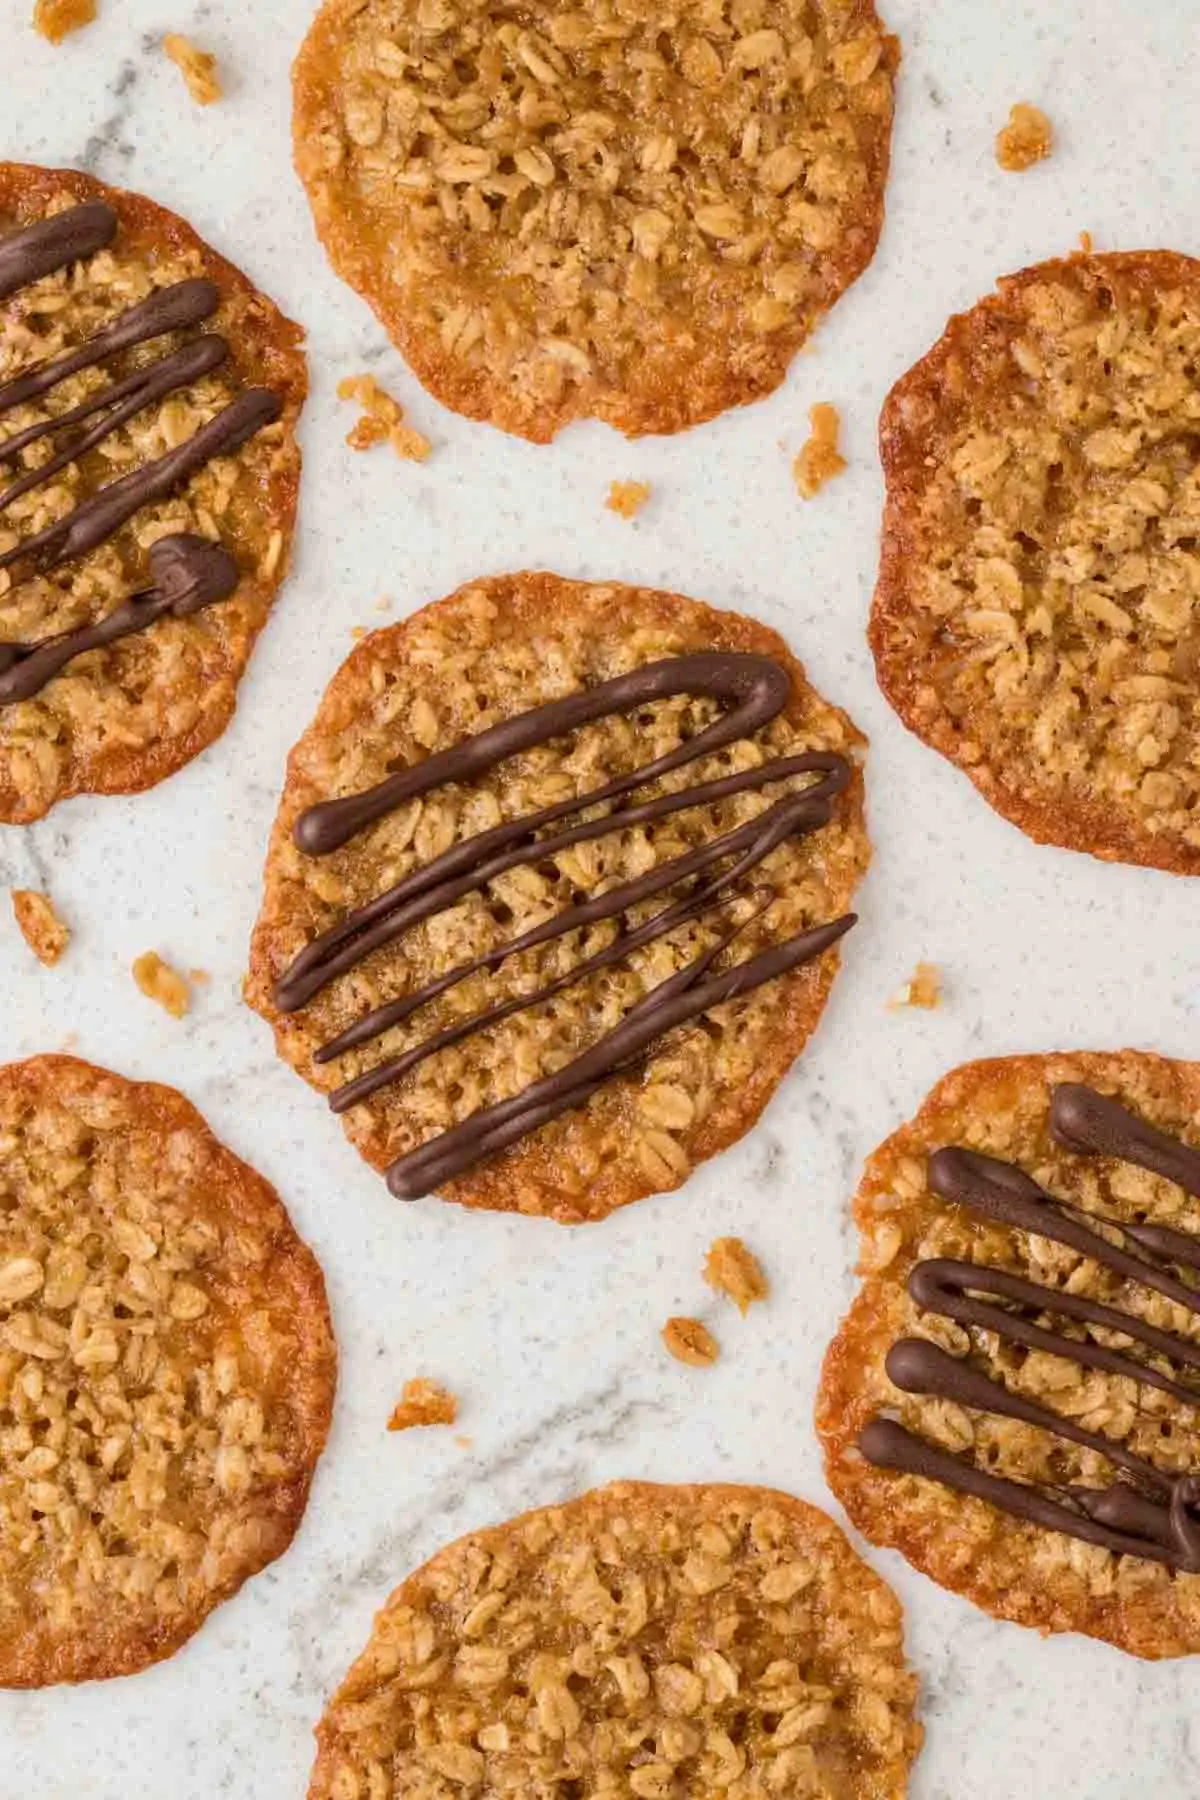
(548, 1335)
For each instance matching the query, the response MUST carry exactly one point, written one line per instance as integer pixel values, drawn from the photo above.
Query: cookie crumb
(198, 68)
(56, 19)
(464, 1443)
(690, 1342)
(382, 420)
(40, 925)
(923, 989)
(733, 1269)
(627, 498)
(819, 459)
(1085, 243)
(199, 977)
(423, 1402)
(163, 984)
(1028, 138)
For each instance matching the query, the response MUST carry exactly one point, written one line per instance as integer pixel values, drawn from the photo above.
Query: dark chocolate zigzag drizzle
(757, 689)
(189, 572)
(1153, 1519)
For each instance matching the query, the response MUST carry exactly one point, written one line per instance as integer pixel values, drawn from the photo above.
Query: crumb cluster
(40, 925)
(819, 458)
(382, 420)
(423, 1402)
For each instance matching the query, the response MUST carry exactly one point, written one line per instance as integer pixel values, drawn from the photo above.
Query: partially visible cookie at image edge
(167, 1369)
(548, 960)
(148, 477)
(610, 212)
(1036, 618)
(642, 1640)
(1012, 1399)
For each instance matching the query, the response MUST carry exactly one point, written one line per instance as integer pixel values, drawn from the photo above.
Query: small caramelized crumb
(819, 459)
(382, 420)
(690, 1342)
(1028, 138)
(923, 989)
(56, 18)
(199, 977)
(161, 983)
(40, 925)
(627, 497)
(423, 1402)
(1085, 243)
(734, 1270)
(197, 67)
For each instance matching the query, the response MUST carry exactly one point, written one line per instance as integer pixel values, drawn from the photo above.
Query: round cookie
(639, 1640)
(616, 212)
(135, 363)
(1036, 617)
(600, 1083)
(1012, 1400)
(167, 1370)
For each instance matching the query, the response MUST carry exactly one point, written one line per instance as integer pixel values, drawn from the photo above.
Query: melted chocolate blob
(1160, 1525)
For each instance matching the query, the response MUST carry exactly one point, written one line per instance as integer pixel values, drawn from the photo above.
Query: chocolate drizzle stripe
(686, 996)
(1118, 1517)
(198, 576)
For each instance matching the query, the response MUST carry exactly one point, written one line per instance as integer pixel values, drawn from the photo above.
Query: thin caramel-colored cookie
(616, 212)
(1036, 618)
(624, 1055)
(166, 1373)
(138, 365)
(640, 1640)
(1012, 1400)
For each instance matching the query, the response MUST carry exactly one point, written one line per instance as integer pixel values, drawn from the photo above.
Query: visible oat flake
(690, 1342)
(55, 19)
(733, 1269)
(40, 925)
(627, 498)
(162, 984)
(1028, 138)
(819, 459)
(382, 420)
(423, 1402)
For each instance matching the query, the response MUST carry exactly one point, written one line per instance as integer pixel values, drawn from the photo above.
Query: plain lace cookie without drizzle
(1037, 617)
(641, 1641)
(553, 895)
(148, 475)
(167, 1370)
(1013, 1399)
(620, 211)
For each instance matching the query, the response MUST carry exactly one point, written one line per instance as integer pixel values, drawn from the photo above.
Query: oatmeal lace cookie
(166, 1373)
(1012, 1399)
(640, 1640)
(1036, 618)
(552, 894)
(619, 211)
(148, 476)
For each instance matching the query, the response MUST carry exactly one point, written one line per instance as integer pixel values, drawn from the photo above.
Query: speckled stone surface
(550, 1337)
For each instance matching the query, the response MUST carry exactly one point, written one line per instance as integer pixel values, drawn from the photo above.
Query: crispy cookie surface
(493, 650)
(617, 211)
(166, 1373)
(1011, 1568)
(123, 717)
(1036, 618)
(640, 1640)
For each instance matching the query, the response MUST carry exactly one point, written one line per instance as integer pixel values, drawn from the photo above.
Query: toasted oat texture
(55, 19)
(733, 1269)
(627, 498)
(819, 459)
(198, 68)
(162, 984)
(1036, 617)
(125, 716)
(688, 1341)
(39, 924)
(423, 1402)
(641, 1641)
(494, 649)
(1028, 138)
(1012, 1569)
(166, 1373)
(616, 211)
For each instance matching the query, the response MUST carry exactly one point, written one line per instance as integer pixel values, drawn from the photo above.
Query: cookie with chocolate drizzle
(553, 892)
(1012, 1400)
(148, 476)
